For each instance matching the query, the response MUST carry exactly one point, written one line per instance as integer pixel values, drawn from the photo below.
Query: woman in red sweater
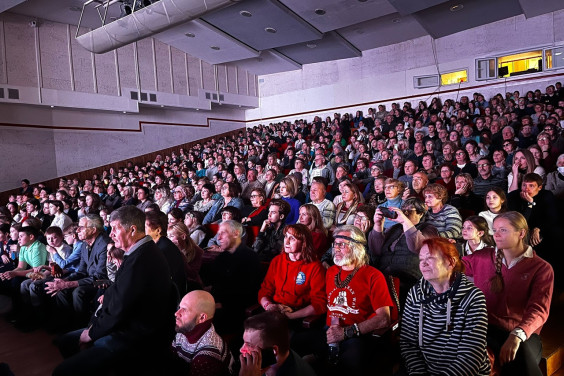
(518, 288)
(295, 281)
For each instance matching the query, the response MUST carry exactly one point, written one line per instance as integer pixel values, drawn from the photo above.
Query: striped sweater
(439, 337)
(447, 221)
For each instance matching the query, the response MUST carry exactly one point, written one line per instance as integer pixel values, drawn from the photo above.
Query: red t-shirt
(358, 301)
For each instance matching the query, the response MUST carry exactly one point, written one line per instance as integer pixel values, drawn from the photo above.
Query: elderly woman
(395, 250)
(517, 306)
(445, 218)
(346, 210)
(193, 221)
(204, 205)
(393, 190)
(311, 217)
(555, 180)
(295, 281)
(229, 197)
(445, 319)
(255, 214)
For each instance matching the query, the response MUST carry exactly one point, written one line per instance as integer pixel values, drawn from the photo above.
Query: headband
(348, 238)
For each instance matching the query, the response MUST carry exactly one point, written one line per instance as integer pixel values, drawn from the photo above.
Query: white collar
(528, 254)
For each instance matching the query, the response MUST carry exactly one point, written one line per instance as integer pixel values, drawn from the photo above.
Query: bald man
(196, 341)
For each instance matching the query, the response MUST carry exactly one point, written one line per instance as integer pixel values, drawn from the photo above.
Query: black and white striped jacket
(445, 334)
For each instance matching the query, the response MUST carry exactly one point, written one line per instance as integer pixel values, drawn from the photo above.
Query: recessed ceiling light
(125, 112)
(320, 12)
(396, 20)
(190, 35)
(216, 48)
(52, 106)
(162, 105)
(270, 30)
(311, 45)
(456, 8)
(245, 13)
(74, 8)
(197, 109)
(362, 1)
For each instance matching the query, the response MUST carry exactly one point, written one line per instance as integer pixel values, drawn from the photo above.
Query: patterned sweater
(447, 221)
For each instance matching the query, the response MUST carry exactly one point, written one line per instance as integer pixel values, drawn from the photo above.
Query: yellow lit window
(454, 77)
(526, 62)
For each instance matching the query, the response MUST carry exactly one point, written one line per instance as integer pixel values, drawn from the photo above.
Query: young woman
(205, 204)
(180, 236)
(518, 287)
(496, 202)
(310, 217)
(475, 232)
(523, 163)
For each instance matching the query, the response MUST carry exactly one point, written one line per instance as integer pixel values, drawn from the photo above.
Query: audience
(454, 156)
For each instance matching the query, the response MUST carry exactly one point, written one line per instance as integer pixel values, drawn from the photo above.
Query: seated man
(234, 278)
(485, 181)
(358, 303)
(326, 208)
(136, 312)
(196, 341)
(266, 349)
(77, 291)
(270, 238)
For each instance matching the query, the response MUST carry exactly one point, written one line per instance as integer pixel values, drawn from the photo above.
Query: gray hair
(95, 221)
(560, 157)
(234, 226)
(128, 216)
(509, 128)
(358, 245)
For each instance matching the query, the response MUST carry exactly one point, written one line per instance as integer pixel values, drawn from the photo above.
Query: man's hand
(52, 288)
(85, 339)
(335, 334)
(406, 194)
(525, 196)
(509, 349)
(265, 224)
(535, 237)
(250, 364)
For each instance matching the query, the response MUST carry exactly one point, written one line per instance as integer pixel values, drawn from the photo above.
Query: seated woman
(464, 199)
(193, 221)
(445, 320)
(395, 251)
(445, 218)
(180, 236)
(310, 217)
(393, 190)
(288, 190)
(295, 281)
(496, 202)
(346, 210)
(476, 233)
(523, 163)
(229, 197)
(255, 214)
(204, 205)
(518, 287)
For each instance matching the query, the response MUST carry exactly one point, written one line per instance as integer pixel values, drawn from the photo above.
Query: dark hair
(57, 203)
(416, 203)
(273, 327)
(283, 205)
(156, 219)
(197, 215)
(210, 187)
(54, 230)
(176, 213)
(533, 178)
(482, 225)
(235, 212)
(30, 231)
(4, 228)
(501, 193)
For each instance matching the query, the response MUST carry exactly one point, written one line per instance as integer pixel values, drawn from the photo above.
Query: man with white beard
(358, 302)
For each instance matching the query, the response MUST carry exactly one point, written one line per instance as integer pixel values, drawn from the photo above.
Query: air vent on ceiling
(134, 95)
(143, 96)
(420, 82)
(221, 97)
(214, 97)
(13, 94)
(208, 95)
(1, 92)
(152, 97)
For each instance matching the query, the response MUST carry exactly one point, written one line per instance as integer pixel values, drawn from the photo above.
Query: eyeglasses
(481, 165)
(390, 186)
(255, 196)
(543, 139)
(504, 145)
(340, 245)
(460, 153)
(361, 218)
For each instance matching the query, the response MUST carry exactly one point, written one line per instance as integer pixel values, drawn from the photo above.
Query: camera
(387, 213)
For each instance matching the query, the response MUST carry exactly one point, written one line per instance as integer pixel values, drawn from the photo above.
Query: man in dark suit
(77, 291)
(137, 310)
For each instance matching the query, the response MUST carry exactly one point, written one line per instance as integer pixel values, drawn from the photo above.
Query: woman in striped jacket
(445, 320)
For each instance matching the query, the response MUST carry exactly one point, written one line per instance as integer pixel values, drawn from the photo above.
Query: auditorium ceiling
(270, 36)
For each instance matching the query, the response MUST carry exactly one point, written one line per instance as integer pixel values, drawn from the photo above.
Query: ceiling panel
(339, 13)
(533, 8)
(290, 29)
(331, 47)
(440, 20)
(202, 37)
(405, 7)
(268, 62)
(7, 4)
(383, 31)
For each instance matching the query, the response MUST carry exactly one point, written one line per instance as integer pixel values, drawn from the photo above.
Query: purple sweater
(525, 299)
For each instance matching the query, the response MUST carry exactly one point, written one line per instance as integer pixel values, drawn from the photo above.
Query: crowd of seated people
(437, 216)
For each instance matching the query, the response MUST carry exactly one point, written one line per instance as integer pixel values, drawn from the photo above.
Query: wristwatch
(349, 332)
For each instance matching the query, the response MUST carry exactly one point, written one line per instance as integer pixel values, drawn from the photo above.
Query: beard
(344, 260)
(187, 327)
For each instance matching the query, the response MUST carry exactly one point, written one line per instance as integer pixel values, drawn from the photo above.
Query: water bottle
(334, 347)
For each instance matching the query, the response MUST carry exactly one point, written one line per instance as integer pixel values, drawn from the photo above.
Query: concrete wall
(387, 72)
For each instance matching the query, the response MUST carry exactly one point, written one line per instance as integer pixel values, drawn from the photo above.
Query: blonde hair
(189, 251)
